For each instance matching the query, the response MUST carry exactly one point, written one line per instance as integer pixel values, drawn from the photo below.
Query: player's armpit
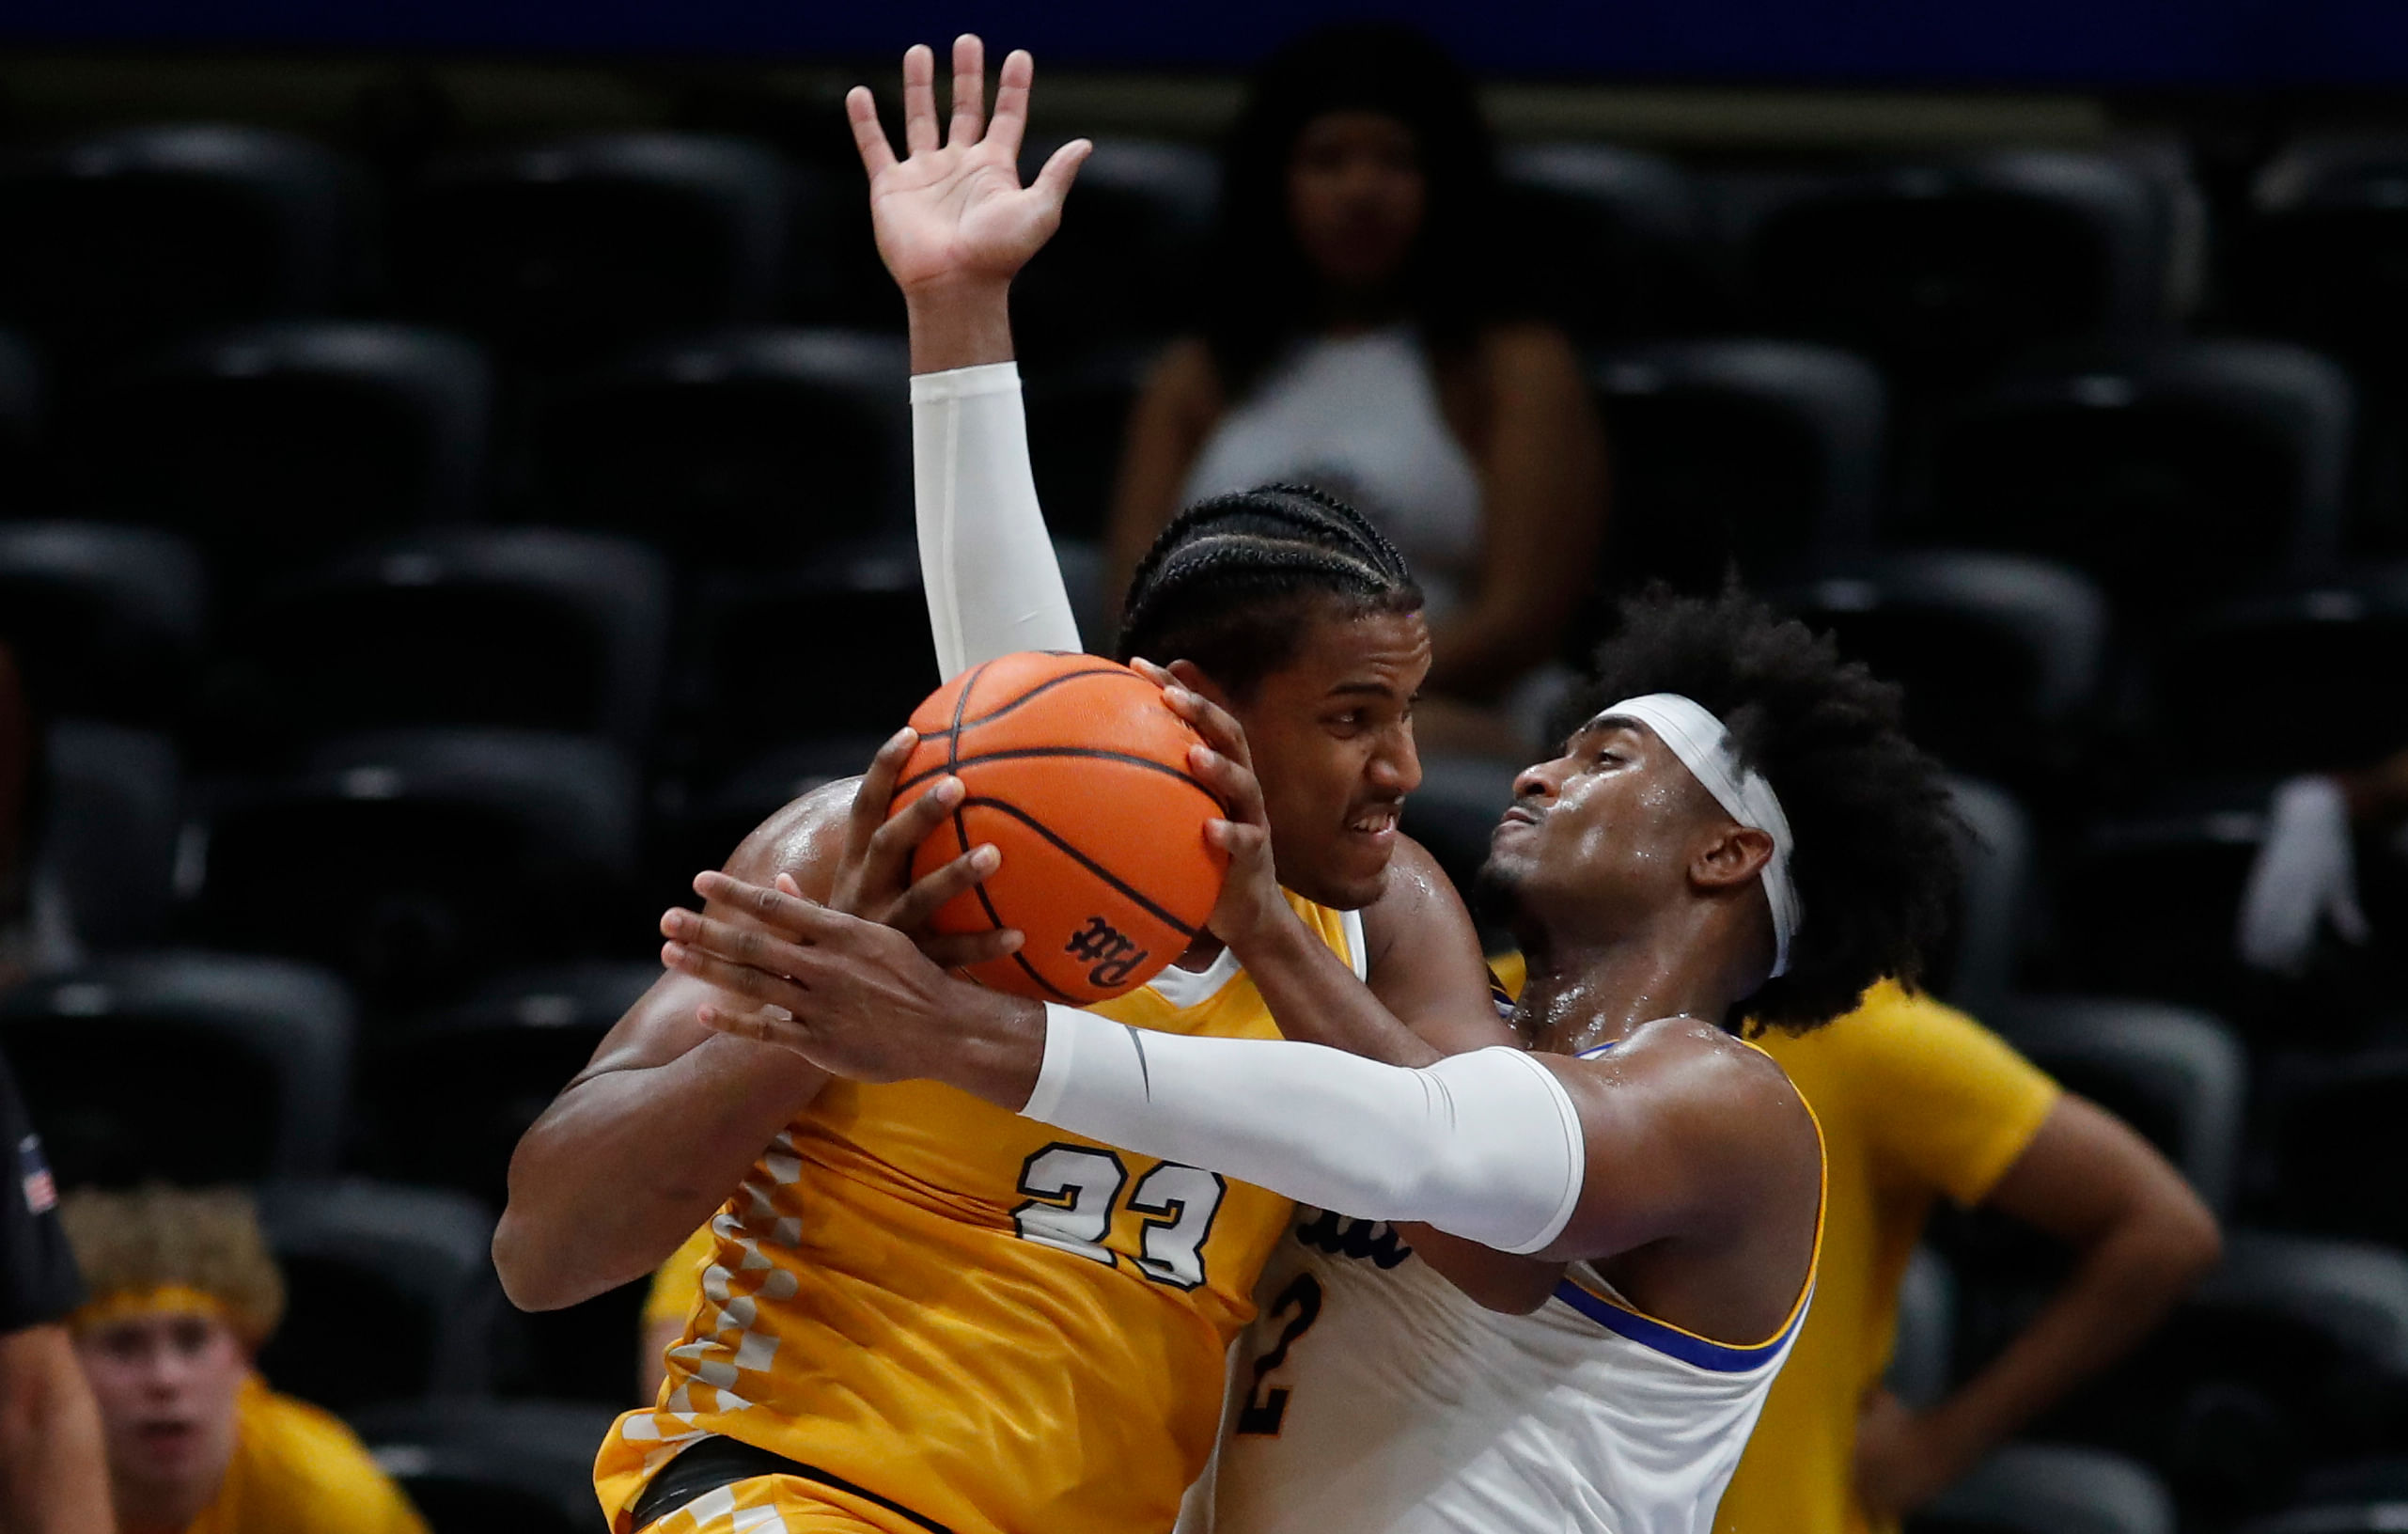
(1496, 1281)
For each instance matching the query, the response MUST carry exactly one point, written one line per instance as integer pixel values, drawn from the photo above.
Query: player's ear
(1192, 676)
(1733, 855)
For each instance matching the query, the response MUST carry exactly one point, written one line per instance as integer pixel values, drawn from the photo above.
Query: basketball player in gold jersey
(924, 1312)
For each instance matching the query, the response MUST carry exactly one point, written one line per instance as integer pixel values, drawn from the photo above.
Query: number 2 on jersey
(1073, 1187)
(1263, 1411)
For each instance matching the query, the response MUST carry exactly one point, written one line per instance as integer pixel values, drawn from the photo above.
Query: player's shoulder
(798, 835)
(1724, 1081)
(1417, 903)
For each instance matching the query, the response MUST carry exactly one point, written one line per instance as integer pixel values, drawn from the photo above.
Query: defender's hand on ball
(955, 212)
(1250, 903)
(874, 881)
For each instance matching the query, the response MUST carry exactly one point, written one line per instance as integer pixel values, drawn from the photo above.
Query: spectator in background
(35, 933)
(1355, 338)
(53, 1479)
(2306, 874)
(183, 1293)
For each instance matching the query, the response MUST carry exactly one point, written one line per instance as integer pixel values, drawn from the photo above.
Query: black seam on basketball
(960, 723)
(962, 827)
(1084, 861)
(1021, 753)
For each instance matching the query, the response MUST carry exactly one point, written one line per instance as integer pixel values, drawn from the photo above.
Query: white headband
(1703, 745)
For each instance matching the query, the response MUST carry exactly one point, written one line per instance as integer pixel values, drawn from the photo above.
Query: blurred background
(454, 481)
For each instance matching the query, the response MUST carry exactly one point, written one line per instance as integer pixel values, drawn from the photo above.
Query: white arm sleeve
(1486, 1145)
(985, 557)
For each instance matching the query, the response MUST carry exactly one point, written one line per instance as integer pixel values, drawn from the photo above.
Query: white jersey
(1371, 1397)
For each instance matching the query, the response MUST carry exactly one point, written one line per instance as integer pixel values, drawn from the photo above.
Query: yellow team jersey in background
(1004, 1328)
(298, 1470)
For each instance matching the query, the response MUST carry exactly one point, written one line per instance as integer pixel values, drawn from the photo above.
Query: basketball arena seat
(1078, 424)
(1994, 897)
(2050, 1489)
(22, 404)
(2330, 1122)
(197, 1068)
(739, 447)
(862, 617)
(278, 444)
(492, 1466)
(1608, 238)
(1746, 453)
(2322, 1516)
(554, 250)
(132, 236)
(702, 818)
(508, 627)
(2171, 473)
(116, 805)
(2177, 1075)
(104, 622)
(389, 1291)
(2002, 656)
(414, 860)
(1122, 267)
(1946, 268)
(2323, 257)
(2336, 650)
(1923, 1350)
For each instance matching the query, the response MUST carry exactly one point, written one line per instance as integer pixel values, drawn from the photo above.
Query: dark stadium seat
(196, 1067)
(22, 404)
(2171, 473)
(2324, 1515)
(1606, 238)
(2331, 1124)
(275, 445)
(2177, 1076)
(1736, 451)
(142, 233)
(2050, 1489)
(775, 671)
(106, 622)
(1078, 421)
(557, 248)
(1993, 897)
(1123, 265)
(1946, 268)
(742, 448)
(2336, 652)
(525, 628)
(115, 807)
(390, 1293)
(1923, 1350)
(413, 860)
(2002, 656)
(2323, 257)
(703, 820)
(492, 1466)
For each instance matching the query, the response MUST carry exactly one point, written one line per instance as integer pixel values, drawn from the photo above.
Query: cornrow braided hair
(1231, 581)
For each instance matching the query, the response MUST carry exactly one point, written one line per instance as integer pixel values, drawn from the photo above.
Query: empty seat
(528, 628)
(104, 622)
(2336, 653)
(1993, 896)
(1124, 263)
(1736, 452)
(2329, 1125)
(280, 442)
(2325, 256)
(1606, 236)
(740, 448)
(115, 804)
(1923, 1348)
(492, 1466)
(390, 1293)
(413, 860)
(705, 821)
(2170, 473)
(2001, 656)
(2050, 1489)
(195, 1068)
(145, 233)
(1949, 267)
(560, 247)
(2176, 1075)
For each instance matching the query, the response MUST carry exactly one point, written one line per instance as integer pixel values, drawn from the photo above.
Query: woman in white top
(1353, 340)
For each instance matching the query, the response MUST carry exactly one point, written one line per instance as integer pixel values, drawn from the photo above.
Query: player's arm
(668, 1116)
(53, 1472)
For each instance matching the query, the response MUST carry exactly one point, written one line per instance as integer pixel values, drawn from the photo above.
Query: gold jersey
(1001, 1328)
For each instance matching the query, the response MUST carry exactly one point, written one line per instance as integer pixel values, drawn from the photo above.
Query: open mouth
(1381, 821)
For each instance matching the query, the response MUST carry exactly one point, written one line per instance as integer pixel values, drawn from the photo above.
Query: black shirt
(37, 1278)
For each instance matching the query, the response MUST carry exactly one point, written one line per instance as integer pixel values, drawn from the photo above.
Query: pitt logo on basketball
(1112, 953)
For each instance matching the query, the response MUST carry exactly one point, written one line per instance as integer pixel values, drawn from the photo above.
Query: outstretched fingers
(1010, 122)
(749, 946)
(737, 979)
(1053, 183)
(919, 98)
(869, 135)
(803, 920)
(969, 92)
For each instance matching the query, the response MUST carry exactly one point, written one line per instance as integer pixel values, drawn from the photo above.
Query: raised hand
(954, 213)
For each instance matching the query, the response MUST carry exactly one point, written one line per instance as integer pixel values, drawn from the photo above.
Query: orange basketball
(1077, 770)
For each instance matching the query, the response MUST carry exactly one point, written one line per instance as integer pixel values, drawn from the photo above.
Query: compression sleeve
(1485, 1145)
(985, 557)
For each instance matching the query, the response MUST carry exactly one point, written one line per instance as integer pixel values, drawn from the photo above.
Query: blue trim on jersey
(1647, 1332)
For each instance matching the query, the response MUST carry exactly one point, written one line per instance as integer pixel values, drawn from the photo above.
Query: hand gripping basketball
(1079, 773)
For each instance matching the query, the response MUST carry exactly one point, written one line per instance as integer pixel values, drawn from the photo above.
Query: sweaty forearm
(628, 1163)
(1316, 999)
(53, 1473)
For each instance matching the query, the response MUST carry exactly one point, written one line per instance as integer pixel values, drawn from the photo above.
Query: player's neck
(1576, 999)
(1200, 953)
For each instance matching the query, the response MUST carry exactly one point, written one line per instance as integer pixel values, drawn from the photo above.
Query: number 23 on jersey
(1074, 1190)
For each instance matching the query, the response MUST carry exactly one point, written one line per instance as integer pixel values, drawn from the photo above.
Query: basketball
(1077, 770)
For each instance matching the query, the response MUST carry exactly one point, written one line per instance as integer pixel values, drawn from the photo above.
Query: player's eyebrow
(1361, 689)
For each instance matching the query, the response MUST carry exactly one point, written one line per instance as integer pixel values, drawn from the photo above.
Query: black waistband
(714, 1463)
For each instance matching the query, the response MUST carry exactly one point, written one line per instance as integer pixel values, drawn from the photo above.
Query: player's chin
(1352, 874)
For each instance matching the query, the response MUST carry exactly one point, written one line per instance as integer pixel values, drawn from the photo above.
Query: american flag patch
(41, 1191)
